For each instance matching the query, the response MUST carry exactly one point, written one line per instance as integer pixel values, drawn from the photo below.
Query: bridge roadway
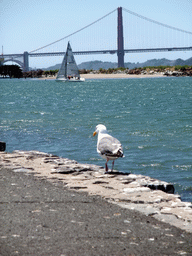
(101, 52)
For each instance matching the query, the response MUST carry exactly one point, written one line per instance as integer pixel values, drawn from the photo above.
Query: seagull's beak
(94, 133)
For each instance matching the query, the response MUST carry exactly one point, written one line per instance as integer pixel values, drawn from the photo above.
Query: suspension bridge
(129, 32)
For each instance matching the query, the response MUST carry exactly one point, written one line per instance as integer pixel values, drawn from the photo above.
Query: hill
(96, 65)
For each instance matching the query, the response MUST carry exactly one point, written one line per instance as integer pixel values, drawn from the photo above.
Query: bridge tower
(120, 40)
(25, 61)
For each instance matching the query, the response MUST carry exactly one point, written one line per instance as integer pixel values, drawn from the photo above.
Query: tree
(13, 71)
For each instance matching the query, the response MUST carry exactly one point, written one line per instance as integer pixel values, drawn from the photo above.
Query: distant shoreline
(110, 76)
(123, 76)
(126, 74)
(118, 73)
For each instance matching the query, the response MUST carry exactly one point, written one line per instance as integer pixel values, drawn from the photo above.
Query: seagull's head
(100, 128)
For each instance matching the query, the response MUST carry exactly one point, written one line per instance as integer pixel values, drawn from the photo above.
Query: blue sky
(27, 25)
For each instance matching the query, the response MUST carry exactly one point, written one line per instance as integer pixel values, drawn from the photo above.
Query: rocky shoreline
(160, 71)
(136, 192)
(145, 71)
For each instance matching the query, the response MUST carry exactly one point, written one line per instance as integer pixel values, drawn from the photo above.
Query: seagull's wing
(110, 146)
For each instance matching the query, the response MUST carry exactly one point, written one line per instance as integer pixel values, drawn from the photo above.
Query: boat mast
(66, 60)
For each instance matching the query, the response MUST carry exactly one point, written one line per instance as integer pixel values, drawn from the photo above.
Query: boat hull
(70, 80)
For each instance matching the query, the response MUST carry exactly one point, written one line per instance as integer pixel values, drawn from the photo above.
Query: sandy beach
(111, 76)
(119, 76)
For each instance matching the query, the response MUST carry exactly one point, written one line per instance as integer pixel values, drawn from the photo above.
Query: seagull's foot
(112, 165)
(106, 168)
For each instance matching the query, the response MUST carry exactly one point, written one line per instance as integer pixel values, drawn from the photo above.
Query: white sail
(62, 74)
(68, 70)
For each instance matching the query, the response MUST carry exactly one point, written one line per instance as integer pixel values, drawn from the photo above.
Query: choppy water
(151, 117)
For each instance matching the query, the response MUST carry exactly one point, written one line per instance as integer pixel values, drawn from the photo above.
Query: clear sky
(26, 25)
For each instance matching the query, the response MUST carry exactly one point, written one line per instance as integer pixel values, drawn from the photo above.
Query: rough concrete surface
(47, 216)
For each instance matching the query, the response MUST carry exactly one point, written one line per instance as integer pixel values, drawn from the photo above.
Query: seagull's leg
(112, 165)
(106, 167)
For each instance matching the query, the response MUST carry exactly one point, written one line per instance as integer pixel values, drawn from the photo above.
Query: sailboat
(68, 71)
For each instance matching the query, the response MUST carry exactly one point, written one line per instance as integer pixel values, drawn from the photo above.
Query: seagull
(108, 147)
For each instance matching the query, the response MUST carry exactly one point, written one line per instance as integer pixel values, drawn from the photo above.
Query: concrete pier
(56, 206)
(138, 192)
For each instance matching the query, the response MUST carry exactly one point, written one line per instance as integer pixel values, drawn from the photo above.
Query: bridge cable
(74, 32)
(156, 22)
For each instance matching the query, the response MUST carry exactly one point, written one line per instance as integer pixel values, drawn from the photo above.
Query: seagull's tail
(120, 153)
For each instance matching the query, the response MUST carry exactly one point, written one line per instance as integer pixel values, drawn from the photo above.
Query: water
(152, 117)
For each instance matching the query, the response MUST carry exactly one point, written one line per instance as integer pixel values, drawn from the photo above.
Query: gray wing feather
(110, 146)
